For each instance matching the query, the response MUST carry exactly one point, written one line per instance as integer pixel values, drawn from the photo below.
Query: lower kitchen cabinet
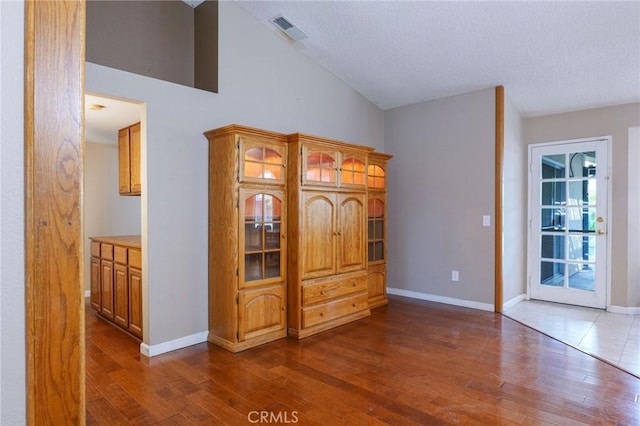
(116, 281)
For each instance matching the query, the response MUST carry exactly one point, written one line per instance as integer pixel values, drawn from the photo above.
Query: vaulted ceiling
(551, 56)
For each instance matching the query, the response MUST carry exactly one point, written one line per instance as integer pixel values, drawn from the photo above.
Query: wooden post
(498, 196)
(54, 121)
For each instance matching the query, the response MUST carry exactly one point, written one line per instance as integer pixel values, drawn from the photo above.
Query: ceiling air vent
(289, 28)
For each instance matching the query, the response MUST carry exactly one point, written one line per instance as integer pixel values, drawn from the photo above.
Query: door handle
(600, 232)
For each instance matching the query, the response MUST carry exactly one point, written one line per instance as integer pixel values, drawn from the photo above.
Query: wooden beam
(498, 299)
(54, 86)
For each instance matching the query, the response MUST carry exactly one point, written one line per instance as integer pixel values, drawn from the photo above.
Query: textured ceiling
(551, 56)
(101, 126)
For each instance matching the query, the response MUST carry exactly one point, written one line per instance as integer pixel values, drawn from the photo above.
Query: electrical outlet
(455, 276)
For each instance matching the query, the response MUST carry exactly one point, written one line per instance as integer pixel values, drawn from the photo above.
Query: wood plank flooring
(411, 363)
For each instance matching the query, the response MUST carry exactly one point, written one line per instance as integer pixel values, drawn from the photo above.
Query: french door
(568, 207)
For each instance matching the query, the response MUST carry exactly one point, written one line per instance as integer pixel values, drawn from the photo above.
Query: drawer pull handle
(354, 305)
(321, 314)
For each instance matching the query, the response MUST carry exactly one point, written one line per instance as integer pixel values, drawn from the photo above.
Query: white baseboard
(624, 310)
(510, 303)
(172, 345)
(441, 299)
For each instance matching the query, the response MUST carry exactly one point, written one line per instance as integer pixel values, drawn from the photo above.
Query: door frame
(530, 244)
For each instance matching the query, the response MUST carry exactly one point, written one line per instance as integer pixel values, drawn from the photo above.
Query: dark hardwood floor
(410, 363)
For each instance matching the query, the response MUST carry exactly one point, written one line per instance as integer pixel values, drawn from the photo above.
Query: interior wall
(153, 38)
(633, 217)
(441, 183)
(264, 82)
(106, 212)
(614, 121)
(12, 309)
(514, 204)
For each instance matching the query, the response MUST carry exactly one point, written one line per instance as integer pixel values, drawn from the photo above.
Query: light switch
(486, 220)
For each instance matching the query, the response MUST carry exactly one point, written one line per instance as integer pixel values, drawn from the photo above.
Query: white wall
(12, 326)
(614, 121)
(106, 212)
(264, 82)
(514, 204)
(441, 183)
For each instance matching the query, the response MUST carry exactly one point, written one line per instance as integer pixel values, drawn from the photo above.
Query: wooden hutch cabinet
(377, 229)
(292, 221)
(247, 230)
(327, 195)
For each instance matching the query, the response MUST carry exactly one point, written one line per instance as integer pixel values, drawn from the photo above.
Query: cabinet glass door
(262, 162)
(320, 167)
(263, 229)
(375, 231)
(353, 171)
(375, 177)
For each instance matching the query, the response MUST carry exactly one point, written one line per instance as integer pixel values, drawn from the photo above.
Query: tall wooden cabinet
(377, 229)
(129, 160)
(327, 196)
(247, 237)
(292, 221)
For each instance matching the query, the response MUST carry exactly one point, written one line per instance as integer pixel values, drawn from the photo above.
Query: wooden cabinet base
(306, 332)
(247, 344)
(113, 324)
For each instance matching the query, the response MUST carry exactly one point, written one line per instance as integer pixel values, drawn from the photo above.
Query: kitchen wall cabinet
(129, 160)
(116, 281)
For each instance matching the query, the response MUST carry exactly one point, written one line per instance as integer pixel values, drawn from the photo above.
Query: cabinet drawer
(328, 289)
(332, 310)
(95, 249)
(106, 251)
(120, 254)
(135, 258)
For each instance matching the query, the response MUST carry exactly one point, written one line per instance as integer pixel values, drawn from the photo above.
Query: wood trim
(499, 162)
(54, 91)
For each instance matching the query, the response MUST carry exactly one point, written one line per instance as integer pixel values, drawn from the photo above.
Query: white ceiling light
(289, 28)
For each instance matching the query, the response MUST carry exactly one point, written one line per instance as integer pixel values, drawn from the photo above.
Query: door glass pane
(253, 266)
(272, 264)
(253, 208)
(553, 166)
(370, 252)
(379, 226)
(582, 192)
(581, 219)
(552, 274)
(252, 236)
(582, 164)
(254, 154)
(273, 171)
(553, 193)
(552, 219)
(271, 208)
(552, 247)
(375, 176)
(272, 236)
(320, 167)
(582, 247)
(581, 276)
(370, 229)
(379, 250)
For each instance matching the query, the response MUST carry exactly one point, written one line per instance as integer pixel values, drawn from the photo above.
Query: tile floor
(615, 338)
